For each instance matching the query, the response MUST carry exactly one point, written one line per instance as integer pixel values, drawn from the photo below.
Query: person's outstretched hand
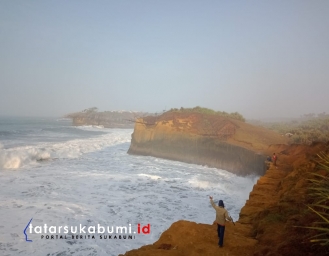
(210, 197)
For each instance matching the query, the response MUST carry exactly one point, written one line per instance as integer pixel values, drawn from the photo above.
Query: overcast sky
(260, 58)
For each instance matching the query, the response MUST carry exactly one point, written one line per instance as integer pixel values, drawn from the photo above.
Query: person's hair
(221, 203)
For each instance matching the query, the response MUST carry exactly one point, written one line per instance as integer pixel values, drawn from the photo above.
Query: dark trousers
(220, 231)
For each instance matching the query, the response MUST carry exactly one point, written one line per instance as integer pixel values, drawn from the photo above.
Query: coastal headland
(207, 139)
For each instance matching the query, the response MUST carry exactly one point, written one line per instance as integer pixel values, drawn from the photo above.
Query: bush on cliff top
(305, 130)
(320, 206)
(207, 111)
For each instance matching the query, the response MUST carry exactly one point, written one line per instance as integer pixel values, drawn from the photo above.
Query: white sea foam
(90, 127)
(13, 159)
(200, 184)
(94, 181)
(153, 177)
(16, 157)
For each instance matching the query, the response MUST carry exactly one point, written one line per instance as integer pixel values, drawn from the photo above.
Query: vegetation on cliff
(320, 206)
(208, 111)
(277, 206)
(305, 130)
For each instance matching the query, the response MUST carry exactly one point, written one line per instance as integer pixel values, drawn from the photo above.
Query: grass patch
(319, 192)
(207, 111)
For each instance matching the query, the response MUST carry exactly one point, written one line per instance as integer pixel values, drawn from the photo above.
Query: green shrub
(208, 111)
(319, 192)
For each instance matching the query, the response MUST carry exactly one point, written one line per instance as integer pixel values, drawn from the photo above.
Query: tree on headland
(90, 110)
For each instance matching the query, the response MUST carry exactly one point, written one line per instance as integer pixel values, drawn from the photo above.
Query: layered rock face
(209, 140)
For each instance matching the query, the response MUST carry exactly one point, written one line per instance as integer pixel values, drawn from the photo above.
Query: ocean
(61, 175)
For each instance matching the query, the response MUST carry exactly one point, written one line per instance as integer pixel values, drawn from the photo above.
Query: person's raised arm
(212, 202)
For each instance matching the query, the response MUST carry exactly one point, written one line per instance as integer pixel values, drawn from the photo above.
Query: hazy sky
(260, 58)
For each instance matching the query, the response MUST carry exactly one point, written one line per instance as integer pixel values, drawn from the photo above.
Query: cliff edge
(270, 222)
(211, 140)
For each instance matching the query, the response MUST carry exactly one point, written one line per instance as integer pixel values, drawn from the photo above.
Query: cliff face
(270, 222)
(215, 141)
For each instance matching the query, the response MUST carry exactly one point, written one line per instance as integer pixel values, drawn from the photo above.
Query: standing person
(274, 158)
(221, 217)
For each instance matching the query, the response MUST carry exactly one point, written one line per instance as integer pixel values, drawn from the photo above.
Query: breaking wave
(17, 157)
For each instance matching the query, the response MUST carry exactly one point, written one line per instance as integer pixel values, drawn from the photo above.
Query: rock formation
(210, 140)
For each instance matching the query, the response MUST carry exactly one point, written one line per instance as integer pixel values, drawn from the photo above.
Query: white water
(14, 158)
(92, 180)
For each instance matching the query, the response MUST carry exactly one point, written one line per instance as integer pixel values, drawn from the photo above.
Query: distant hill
(108, 119)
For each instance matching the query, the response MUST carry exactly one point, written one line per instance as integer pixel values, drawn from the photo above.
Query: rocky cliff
(270, 222)
(211, 140)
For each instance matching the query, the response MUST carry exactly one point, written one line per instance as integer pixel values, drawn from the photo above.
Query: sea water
(58, 174)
